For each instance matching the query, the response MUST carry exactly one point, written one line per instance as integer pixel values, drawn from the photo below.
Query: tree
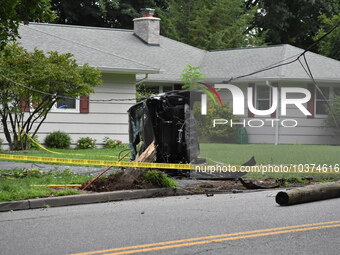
(293, 22)
(34, 81)
(221, 133)
(102, 13)
(191, 76)
(330, 45)
(13, 12)
(217, 24)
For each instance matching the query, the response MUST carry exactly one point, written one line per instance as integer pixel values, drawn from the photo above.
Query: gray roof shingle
(227, 64)
(119, 50)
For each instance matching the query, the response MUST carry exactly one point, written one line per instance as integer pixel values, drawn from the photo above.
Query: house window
(66, 105)
(322, 100)
(152, 89)
(155, 90)
(263, 97)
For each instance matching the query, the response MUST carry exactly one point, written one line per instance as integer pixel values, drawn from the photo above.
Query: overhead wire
(269, 67)
(65, 97)
(307, 69)
(279, 64)
(310, 74)
(91, 47)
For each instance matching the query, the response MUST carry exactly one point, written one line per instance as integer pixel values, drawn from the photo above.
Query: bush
(34, 146)
(159, 179)
(220, 133)
(86, 143)
(1, 141)
(111, 143)
(58, 139)
(143, 92)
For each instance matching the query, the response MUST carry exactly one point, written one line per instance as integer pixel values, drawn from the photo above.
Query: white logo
(238, 100)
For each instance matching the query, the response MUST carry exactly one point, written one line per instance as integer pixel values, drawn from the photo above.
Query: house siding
(308, 131)
(104, 118)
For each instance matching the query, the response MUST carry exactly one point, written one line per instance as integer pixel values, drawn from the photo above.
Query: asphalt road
(243, 223)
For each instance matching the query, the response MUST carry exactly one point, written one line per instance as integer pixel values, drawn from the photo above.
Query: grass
(237, 154)
(234, 154)
(16, 184)
(159, 179)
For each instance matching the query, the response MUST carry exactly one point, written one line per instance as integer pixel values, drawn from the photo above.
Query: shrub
(111, 143)
(58, 139)
(159, 179)
(34, 146)
(143, 92)
(86, 143)
(1, 141)
(220, 133)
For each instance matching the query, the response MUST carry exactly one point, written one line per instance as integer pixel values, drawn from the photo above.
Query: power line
(298, 56)
(310, 74)
(90, 47)
(272, 66)
(65, 97)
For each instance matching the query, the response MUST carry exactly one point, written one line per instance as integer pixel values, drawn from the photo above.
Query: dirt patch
(212, 186)
(120, 181)
(133, 179)
(235, 186)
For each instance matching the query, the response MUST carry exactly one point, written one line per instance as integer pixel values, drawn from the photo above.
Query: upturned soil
(120, 181)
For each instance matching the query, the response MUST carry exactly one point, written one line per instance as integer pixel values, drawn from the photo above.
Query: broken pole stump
(131, 175)
(309, 193)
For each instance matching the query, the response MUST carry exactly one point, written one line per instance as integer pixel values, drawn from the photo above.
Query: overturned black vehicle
(167, 120)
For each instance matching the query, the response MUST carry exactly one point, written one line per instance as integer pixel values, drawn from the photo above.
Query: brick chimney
(147, 27)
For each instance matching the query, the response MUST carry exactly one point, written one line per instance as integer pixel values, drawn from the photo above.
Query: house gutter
(277, 128)
(142, 80)
(129, 70)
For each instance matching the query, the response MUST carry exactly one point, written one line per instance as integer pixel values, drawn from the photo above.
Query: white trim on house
(129, 70)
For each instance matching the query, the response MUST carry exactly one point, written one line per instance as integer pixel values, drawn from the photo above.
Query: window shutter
(251, 85)
(311, 102)
(276, 85)
(25, 106)
(84, 104)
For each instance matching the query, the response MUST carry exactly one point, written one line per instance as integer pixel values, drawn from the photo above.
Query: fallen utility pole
(309, 193)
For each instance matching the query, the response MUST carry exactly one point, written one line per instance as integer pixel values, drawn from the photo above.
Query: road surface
(243, 223)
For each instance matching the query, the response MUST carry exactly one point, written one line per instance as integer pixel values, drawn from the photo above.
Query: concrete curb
(90, 198)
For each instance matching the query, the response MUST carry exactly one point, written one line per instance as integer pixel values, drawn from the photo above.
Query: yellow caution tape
(210, 169)
(59, 185)
(95, 162)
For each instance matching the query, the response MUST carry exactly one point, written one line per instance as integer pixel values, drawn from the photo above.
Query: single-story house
(129, 57)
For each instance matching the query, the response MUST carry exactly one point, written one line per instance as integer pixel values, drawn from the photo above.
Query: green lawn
(16, 184)
(90, 154)
(237, 154)
(234, 154)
